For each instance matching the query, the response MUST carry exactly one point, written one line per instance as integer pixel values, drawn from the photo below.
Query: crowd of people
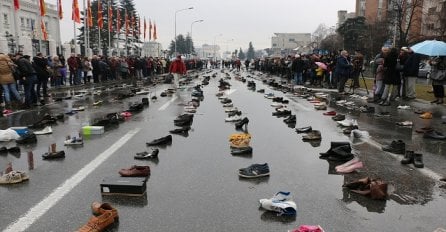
(34, 76)
(394, 71)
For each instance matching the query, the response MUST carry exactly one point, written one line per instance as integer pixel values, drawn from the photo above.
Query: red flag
(100, 20)
(76, 15)
(16, 4)
(145, 27)
(126, 23)
(154, 31)
(42, 8)
(44, 33)
(89, 16)
(150, 29)
(118, 21)
(110, 18)
(59, 9)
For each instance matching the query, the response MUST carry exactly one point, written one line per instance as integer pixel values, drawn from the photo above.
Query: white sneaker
(359, 134)
(281, 207)
(228, 104)
(234, 118)
(45, 131)
(232, 109)
(80, 108)
(276, 105)
(348, 122)
(74, 141)
(403, 107)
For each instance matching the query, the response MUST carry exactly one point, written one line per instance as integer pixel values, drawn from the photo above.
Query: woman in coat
(438, 65)
(392, 78)
(7, 81)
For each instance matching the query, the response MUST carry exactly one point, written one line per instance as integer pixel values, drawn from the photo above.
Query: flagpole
(16, 30)
(109, 21)
(85, 30)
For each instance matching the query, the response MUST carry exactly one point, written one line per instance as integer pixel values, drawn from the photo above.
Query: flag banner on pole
(126, 23)
(76, 15)
(145, 27)
(89, 16)
(44, 33)
(118, 21)
(155, 36)
(16, 4)
(150, 29)
(100, 19)
(42, 8)
(59, 9)
(110, 18)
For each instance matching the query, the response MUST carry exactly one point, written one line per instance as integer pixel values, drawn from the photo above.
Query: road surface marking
(163, 107)
(33, 214)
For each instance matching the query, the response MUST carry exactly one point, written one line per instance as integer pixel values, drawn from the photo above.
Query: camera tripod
(352, 84)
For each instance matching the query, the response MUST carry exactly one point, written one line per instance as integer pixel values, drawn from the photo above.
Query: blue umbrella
(430, 48)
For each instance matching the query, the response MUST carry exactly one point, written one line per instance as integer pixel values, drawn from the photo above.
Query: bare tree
(406, 20)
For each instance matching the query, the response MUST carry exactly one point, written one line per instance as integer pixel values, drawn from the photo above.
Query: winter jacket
(343, 67)
(411, 66)
(177, 66)
(25, 67)
(6, 76)
(391, 74)
(40, 65)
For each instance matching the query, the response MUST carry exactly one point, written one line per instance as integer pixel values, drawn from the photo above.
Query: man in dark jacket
(28, 78)
(40, 64)
(343, 70)
(297, 67)
(410, 72)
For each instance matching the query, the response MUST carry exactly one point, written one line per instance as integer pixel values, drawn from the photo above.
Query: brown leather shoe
(100, 208)
(135, 171)
(99, 223)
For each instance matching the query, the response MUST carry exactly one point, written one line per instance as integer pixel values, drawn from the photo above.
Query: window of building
(28, 23)
(33, 24)
(274, 45)
(5, 19)
(291, 40)
(22, 22)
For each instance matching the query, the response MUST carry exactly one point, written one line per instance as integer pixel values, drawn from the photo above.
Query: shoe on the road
(330, 113)
(45, 131)
(27, 138)
(426, 115)
(98, 223)
(312, 135)
(418, 160)
(338, 117)
(397, 147)
(291, 119)
(405, 123)
(304, 129)
(135, 171)
(98, 208)
(147, 155)
(53, 155)
(254, 170)
(181, 130)
(11, 178)
(72, 141)
(241, 123)
(433, 134)
(241, 150)
(161, 141)
(13, 150)
(234, 118)
(283, 208)
(408, 157)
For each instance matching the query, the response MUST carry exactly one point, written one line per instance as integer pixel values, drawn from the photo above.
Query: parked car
(424, 70)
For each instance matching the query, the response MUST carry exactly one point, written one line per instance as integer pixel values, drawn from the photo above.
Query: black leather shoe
(241, 151)
(146, 155)
(334, 145)
(418, 160)
(433, 134)
(304, 129)
(408, 158)
(241, 123)
(180, 130)
(27, 138)
(161, 141)
(397, 147)
(54, 155)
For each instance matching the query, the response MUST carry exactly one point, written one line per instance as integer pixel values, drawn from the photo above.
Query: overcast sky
(232, 23)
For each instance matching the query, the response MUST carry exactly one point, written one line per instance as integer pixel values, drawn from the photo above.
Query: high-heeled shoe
(240, 124)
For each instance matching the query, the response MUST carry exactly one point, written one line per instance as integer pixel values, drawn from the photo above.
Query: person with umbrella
(438, 76)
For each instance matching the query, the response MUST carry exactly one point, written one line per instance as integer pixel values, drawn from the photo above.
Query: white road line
(33, 214)
(163, 107)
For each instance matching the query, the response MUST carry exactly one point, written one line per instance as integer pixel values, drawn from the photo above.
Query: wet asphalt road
(195, 187)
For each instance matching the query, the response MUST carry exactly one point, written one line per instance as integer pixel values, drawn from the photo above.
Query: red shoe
(330, 113)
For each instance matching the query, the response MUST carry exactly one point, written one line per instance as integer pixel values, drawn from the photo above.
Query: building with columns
(20, 31)
(285, 43)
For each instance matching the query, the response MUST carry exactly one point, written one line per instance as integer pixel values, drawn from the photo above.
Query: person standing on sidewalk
(72, 66)
(438, 76)
(410, 73)
(7, 80)
(28, 79)
(343, 70)
(177, 68)
(40, 64)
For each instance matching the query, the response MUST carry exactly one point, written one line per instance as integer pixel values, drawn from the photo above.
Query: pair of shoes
(146, 155)
(254, 170)
(412, 157)
(161, 141)
(280, 203)
(135, 171)
(13, 177)
(349, 166)
(53, 154)
(12, 150)
(396, 146)
(105, 216)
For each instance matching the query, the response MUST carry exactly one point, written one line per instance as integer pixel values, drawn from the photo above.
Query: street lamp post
(191, 38)
(190, 8)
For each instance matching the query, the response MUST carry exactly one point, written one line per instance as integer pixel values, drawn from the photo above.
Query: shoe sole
(256, 176)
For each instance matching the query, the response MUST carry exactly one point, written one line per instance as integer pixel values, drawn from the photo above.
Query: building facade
(434, 19)
(21, 31)
(153, 49)
(208, 52)
(283, 43)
